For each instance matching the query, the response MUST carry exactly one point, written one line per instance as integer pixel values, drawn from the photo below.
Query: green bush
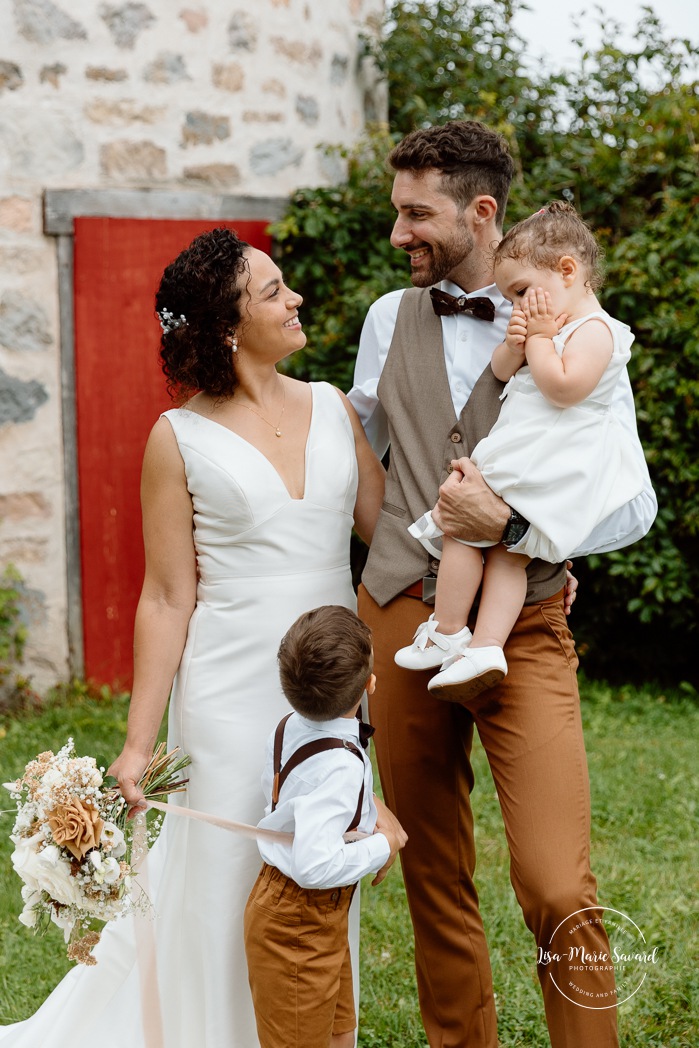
(15, 692)
(618, 136)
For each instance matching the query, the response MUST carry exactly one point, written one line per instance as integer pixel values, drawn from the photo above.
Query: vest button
(455, 438)
(450, 469)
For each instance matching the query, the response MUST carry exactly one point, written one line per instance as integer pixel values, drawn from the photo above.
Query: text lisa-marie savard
(583, 956)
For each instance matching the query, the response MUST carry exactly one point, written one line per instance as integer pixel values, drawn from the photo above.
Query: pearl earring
(234, 343)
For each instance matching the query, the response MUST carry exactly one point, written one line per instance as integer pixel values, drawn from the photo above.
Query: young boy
(318, 784)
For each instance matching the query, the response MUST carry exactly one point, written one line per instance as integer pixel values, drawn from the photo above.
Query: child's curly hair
(204, 284)
(545, 237)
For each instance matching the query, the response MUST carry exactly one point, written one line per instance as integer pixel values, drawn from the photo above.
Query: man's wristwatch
(515, 529)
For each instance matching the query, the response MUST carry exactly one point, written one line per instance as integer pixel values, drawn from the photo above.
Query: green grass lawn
(642, 749)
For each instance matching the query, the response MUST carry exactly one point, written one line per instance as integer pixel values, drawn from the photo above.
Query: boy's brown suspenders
(302, 754)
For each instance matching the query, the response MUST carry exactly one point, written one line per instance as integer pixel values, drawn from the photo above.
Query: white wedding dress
(263, 559)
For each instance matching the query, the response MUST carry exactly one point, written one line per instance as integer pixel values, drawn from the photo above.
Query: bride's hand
(127, 769)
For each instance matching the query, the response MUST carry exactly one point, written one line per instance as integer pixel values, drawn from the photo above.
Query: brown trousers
(531, 731)
(298, 961)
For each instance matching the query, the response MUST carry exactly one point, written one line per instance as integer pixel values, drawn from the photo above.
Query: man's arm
(374, 344)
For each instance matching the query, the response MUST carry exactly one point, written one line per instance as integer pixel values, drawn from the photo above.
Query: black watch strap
(515, 529)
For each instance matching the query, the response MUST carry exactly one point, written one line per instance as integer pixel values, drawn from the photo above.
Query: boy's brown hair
(325, 660)
(473, 160)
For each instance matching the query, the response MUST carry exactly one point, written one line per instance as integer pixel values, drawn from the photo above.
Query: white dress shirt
(468, 346)
(316, 803)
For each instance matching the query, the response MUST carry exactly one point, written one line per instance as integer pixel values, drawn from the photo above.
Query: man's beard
(444, 258)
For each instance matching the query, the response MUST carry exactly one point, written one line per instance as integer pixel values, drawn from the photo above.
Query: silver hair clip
(168, 320)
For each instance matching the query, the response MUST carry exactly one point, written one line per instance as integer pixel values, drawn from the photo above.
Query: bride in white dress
(249, 496)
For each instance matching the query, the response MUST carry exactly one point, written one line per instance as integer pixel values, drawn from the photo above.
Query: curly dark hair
(473, 159)
(325, 659)
(545, 237)
(204, 284)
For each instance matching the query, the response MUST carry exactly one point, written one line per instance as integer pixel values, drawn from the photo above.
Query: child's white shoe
(418, 656)
(461, 679)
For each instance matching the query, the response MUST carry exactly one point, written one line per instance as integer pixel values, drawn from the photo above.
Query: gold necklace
(277, 431)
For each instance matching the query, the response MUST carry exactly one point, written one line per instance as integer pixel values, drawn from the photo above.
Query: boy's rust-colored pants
(531, 731)
(297, 947)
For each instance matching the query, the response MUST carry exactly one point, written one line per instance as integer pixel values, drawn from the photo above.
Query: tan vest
(425, 436)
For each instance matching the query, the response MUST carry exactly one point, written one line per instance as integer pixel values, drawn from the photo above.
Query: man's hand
(571, 586)
(388, 824)
(467, 508)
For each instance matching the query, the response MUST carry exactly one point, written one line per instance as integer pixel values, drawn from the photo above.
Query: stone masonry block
(42, 22)
(339, 68)
(127, 22)
(254, 116)
(23, 323)
(16, 214)
(307, 108)
(104, 74)
(204, 128)
(228, 77)
(297, 50)
(194, 19)
(242, 31)
(10, 76)
(273, 155)
(121, 112)
(138, 161)
(166, 69)
(21, 505)
(47, 144)
(274, 87)
(219, 176)
(19, 400)
(51, 74)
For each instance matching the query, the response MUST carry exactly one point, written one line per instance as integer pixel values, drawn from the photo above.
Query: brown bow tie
(445, 305)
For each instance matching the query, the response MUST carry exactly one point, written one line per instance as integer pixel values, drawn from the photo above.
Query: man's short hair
(473, 160)
(325, 660)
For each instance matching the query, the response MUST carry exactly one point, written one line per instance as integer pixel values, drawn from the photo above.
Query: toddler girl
(557, 454)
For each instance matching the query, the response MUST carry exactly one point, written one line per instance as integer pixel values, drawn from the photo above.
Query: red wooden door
(120, 391)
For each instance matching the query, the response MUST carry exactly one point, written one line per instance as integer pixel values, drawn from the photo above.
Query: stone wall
(215, 95)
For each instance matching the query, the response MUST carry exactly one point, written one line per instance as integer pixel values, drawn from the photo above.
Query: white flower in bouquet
(74, 846)
(113, 840)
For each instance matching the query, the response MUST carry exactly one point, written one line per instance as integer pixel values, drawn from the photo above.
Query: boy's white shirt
(468, 346)
(317, 803)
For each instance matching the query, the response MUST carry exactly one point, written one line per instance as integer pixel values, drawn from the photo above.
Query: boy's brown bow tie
(445, 305)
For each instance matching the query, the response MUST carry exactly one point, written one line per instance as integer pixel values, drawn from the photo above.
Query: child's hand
(539, 314)
(388, 824)
(516, 334)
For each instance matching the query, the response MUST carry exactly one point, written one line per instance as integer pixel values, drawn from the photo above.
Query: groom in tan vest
(424, 386)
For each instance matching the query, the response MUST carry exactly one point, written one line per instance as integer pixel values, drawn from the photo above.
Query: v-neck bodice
(245, 521)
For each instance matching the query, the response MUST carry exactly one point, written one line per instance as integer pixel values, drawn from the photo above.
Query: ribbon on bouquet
(257, 832)
(226, 824)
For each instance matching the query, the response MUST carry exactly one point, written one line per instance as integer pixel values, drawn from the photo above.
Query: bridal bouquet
(74, 848)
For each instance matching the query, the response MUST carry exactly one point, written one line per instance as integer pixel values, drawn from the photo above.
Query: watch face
(515, 529)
